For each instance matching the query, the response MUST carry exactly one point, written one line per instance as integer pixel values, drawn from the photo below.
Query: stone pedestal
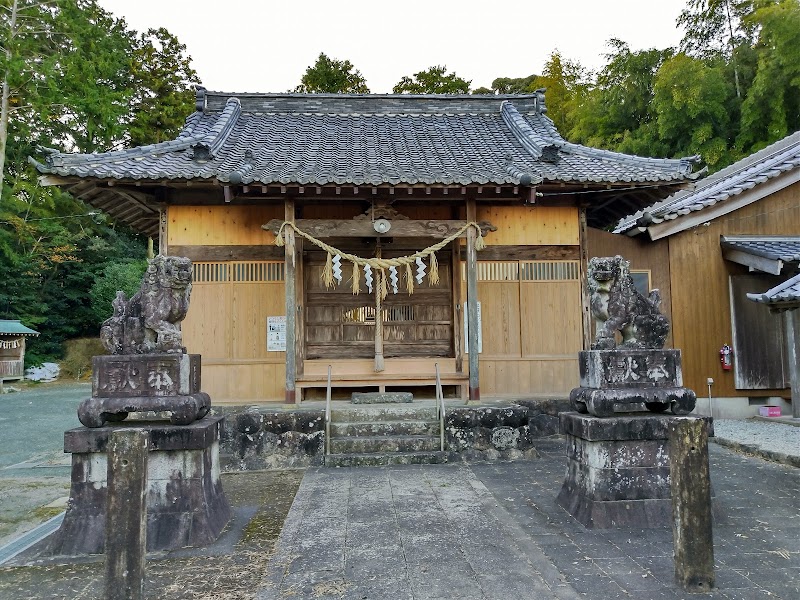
(623, 380)
(186, 505)
(128, 383)
(618, 470)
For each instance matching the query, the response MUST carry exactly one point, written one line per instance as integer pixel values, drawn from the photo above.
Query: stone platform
(186, 505)
(123, 384)
(618, 469)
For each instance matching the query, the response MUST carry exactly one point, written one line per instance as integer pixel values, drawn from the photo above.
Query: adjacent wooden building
(371, 176)
(734, 233)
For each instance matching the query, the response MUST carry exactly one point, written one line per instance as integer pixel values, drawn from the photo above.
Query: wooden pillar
(290, 255)
(458, 317)
(472, 305)
(586, 313)
(126, 515)
(690, 486)
(791, 318)
(163, 229)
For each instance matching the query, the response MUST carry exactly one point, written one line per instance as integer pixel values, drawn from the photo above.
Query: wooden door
(340, 324)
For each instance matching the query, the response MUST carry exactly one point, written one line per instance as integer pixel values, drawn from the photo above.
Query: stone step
(364, 413)
(381, 397)
(394, 458)
(370, 428)
(384, 444)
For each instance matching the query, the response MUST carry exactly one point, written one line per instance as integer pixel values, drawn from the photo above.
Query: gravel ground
(769, 437)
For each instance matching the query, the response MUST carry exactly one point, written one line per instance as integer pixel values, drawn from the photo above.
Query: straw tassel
(409, 279)
(383, 289)
(433, 276)
(480, 244)
(356, 279)
(279, 238)
(327, 272)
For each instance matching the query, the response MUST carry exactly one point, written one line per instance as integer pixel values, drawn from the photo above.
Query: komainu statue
(149, 322)
(618, 306)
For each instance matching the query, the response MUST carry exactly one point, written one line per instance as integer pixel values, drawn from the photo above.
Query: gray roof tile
(781, 295)
(741, 176)
(785, 248)
(369, 140)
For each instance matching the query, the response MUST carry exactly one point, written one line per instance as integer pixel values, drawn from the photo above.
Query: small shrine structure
(379, 205)
(12, 349)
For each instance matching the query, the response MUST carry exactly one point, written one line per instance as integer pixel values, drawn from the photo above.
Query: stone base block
(95, 412)
(186, 505)
(123, 384)
(606, 402)
(618, 470)
(621, 368)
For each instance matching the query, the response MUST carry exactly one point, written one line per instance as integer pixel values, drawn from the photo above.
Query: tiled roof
(732, 181)
(773, 247)
(13, 327)
(783, 296)
(320, 139)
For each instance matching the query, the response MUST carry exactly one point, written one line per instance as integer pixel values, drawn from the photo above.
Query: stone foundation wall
(256, 438)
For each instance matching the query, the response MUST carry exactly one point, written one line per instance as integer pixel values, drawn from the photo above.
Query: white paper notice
(276, 334)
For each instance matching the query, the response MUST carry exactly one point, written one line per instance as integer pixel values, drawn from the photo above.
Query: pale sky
(266, 45)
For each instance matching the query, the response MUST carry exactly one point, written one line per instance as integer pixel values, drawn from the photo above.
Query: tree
(162, 87)
(771, 108)
(691, 105)
(332, 76)
(616, 113)
(717, 27)
(515, 85)
(434, 80)
(566, 83)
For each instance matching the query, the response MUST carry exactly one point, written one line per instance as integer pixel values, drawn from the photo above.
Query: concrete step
(364, 413)
(384, 443)
(394, 458)
(381, 397)
(370, 428)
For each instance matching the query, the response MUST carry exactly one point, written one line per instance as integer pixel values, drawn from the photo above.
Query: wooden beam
(755, 263)
(458, 318)
(219, 253)
(472, 306)
(329, 228)
(527, 253)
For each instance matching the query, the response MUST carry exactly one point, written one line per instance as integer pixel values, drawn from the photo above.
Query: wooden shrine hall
(380, 235)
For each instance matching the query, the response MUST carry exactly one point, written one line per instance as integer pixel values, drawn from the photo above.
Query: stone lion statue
(618, 306)
(149, 322)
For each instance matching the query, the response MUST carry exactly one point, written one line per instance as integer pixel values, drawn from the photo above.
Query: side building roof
(366, 140)
(738, 185)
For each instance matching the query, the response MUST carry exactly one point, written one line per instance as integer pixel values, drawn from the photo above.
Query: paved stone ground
(493, 531)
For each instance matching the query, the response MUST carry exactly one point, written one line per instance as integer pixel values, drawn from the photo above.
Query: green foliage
(434, 80)
(162, 88)
(514, 85)
(78, 354)
(125, 276)
(78, 80)
(332, 76)
(771, 109)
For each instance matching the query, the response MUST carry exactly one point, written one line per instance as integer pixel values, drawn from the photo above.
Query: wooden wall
(700, 287)
(531, 225)
(231, 301)
(531, 308)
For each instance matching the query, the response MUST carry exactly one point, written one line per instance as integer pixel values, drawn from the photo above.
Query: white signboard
(276, 334)
(466, 329)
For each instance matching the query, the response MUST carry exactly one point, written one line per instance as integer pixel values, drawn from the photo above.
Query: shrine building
(415, 232)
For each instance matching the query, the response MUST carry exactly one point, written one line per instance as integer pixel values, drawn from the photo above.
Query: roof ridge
(210, 144)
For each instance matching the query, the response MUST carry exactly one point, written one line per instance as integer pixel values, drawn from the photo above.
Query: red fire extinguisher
(726, 357)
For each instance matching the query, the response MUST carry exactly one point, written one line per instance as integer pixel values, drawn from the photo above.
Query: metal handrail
(440, 407)
(328, 415)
